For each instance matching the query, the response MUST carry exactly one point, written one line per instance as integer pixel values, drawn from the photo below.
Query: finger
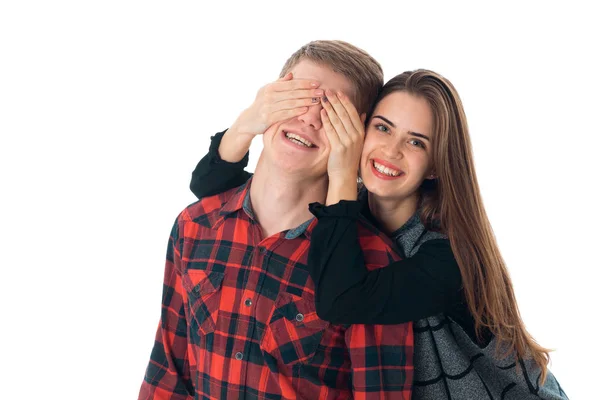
(332, 136)
(289, 104)
(335, 120)
(294, 84)
(352, 113)
(342, 114)
(282, 115)
(298, 94)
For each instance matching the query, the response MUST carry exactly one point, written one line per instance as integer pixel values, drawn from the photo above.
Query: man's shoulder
(372, 236)
(208, 208)
(378, 249)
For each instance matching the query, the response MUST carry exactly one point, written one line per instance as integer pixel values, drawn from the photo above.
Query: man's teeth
(298, 140)
(385, 170)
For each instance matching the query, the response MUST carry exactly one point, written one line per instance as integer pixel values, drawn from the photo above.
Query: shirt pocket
(294, 331)
(203, 289)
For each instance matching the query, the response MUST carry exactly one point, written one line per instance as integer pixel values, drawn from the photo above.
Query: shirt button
(299, 317)
(239, 356)
(248, 302)
(262, 250)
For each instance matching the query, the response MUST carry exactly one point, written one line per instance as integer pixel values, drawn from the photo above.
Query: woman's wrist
(342, 188)
(234, 145)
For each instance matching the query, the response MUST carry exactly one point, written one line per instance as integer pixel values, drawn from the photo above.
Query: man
(238, 318)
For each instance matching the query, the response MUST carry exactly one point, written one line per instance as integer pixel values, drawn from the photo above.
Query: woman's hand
(278, 101)
(345, 131)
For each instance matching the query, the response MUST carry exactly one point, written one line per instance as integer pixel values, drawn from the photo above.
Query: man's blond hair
(356, 65)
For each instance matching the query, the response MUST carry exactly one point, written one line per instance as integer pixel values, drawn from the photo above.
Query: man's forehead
(329, 79)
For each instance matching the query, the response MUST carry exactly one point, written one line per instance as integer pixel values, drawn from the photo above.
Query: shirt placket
(261, 253)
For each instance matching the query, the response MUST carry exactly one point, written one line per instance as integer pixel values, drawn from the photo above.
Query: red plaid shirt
(239, 322)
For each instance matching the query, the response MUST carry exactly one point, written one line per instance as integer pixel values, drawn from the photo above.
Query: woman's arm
(214, 175)
(348, 293)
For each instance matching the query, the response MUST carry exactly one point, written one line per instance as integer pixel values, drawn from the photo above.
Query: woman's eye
(382, 128)
(417, 143)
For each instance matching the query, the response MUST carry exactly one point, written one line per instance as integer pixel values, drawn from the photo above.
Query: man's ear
(363, 117)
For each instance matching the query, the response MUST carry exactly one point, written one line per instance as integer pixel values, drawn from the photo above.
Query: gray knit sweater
(449, 365)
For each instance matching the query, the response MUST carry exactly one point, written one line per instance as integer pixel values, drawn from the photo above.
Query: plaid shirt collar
(241, 201)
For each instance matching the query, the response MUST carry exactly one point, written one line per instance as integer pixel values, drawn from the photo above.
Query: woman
(421, 189)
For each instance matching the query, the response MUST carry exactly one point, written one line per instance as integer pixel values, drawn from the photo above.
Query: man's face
(282, 148)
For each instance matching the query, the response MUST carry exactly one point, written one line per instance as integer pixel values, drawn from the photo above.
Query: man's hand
(345, 131)
(278, 101)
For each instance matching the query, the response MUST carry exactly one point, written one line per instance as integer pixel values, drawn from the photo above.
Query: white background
(106, 106)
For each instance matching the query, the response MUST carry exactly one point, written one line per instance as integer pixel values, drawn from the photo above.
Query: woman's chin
(378, 192)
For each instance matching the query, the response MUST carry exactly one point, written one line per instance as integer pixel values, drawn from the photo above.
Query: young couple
(395, 290)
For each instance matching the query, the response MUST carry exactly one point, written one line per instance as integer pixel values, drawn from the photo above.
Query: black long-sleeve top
(426, 282)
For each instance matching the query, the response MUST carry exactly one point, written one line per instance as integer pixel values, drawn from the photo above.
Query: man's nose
(312, 117)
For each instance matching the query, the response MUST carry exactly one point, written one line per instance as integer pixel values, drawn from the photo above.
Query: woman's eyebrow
(409, 132)
(385, 119)
(419, 135)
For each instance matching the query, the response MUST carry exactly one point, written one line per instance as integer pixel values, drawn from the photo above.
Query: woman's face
(397, 154)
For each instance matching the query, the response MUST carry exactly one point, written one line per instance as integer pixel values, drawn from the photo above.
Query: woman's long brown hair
(452, 204)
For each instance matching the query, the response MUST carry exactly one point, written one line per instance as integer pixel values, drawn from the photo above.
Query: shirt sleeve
(214, 175)
(168, 372)
(347, 292)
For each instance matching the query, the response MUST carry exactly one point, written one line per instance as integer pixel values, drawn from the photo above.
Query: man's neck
(392, 213)
(280, 200)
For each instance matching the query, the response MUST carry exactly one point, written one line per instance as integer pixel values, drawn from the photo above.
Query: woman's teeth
(385, 170)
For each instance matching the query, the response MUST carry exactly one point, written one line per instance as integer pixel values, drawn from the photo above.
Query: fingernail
(319, 92)
(315, 99)
(340, 94)
(314, 84)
